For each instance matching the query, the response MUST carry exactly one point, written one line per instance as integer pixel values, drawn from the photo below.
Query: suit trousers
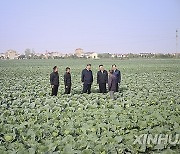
(102, 88)
(55, 90)
(86, 88)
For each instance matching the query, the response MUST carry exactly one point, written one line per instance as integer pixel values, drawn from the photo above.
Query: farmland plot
(32, 121)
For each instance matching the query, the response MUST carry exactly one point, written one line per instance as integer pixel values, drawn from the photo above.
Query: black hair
(114, 65)
(111, 71)
(54, 67)
(67, 68)
(100, 65)
(88, 64)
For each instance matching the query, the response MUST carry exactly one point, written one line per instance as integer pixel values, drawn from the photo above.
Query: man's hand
(66, 86)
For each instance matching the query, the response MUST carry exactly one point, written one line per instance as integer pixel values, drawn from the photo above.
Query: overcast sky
(116, 26)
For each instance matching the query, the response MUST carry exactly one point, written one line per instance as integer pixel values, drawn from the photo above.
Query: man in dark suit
(54, 80)
(67, 81)
(87, 79)
(117, 74)
(102, 79)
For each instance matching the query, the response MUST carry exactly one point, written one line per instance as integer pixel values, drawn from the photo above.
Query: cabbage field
(32, 121)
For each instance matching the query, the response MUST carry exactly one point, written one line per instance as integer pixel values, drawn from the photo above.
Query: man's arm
(106, 77)
(91, 76)
(70, 79)
(51, 78)
(119, 76)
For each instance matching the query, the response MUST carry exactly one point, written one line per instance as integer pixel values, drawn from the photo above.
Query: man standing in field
(87, 79)
(117, 74)
(67, 81)
(54, 80)
(112, 83)
(102, 79)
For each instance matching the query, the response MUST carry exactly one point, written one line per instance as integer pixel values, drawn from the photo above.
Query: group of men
(112, 78)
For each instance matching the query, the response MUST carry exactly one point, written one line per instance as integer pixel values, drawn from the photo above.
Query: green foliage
(31, 121)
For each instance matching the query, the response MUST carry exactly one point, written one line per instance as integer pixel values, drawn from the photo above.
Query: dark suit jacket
(87, 76)
(117, 74)
(102, 77)
(54, 78)
(67, 79)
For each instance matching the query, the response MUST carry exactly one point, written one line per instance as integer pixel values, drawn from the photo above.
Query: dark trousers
(67, 89)
(54, 90)
(102, 87)
(86, 88)
(117, 87)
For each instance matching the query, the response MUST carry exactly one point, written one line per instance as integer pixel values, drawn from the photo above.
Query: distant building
(11, 54)
(79, 52)
(2, 56)
(54, 55)
(69, 54)
(92, 55)
(113, 55)
(118, 55)
(146, 55)
(176, 55)
(38, 54)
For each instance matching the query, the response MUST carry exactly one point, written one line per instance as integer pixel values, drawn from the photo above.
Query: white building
(2, 56)
(92, 55)
(79, 52)
(11, 54)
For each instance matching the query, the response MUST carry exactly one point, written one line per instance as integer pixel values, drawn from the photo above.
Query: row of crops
(31, 121)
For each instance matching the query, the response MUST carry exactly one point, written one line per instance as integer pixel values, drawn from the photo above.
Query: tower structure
(176, 40)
